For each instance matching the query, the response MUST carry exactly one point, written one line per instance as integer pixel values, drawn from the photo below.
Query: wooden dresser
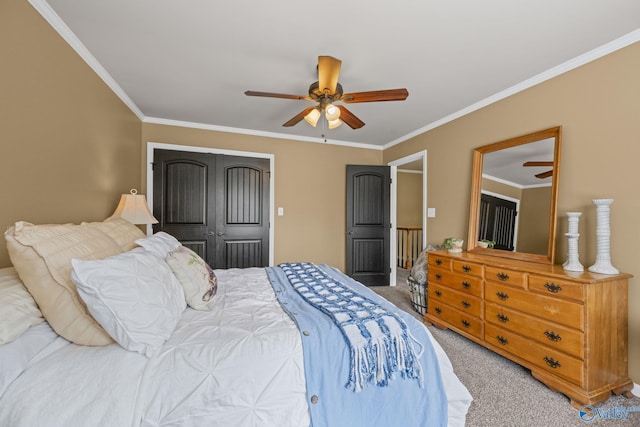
(569, 329)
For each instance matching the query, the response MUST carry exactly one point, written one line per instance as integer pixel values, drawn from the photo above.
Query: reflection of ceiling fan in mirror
(327, 91)
(541, 175)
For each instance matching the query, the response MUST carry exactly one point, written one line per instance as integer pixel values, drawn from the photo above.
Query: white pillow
(18, 310)
(160, 244)
(196, 277)
(133, 295)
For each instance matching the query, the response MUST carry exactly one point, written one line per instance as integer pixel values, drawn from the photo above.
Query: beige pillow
(42, 257)
(120, 230)
(18, 310)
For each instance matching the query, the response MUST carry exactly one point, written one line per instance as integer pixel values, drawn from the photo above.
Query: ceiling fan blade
(537, 164)
(349, 118)
(544, 175)
(376, 95)
(297, 118)
(276, 95)
(328, 72)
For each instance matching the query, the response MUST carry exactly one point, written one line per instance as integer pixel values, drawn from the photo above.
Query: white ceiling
(190, 61)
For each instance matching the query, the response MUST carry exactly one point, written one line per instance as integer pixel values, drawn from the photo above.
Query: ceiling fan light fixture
(331, 112)
(312, 117)
(334, 123)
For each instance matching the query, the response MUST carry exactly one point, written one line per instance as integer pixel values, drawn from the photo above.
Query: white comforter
(240, 364)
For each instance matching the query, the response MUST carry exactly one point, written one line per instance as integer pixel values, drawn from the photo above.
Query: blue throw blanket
(378, 340)
(327, 359)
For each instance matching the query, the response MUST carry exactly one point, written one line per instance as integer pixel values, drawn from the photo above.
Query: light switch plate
(431, 212)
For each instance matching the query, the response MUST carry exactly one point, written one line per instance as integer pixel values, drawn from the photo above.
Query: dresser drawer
(468, 268)
(546, 358)
(456, 319)
(552, 335)
(463, 302)
(503, 275)
(438, 261)
(556, 287)
(459, 282)
(549, 308)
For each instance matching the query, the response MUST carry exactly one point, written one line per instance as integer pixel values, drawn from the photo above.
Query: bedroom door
(368, 224)
(216, 205)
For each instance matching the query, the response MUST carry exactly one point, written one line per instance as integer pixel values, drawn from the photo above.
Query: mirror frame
(476, 184)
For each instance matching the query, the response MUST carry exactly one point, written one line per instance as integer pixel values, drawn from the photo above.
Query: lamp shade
(334, 123)
(133, 208)
(331, 113)
(312, 117)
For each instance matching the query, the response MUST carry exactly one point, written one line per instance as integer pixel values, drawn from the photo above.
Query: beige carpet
(505, 394)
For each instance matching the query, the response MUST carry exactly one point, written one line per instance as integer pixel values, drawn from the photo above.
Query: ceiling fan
(541, 175)
(326, 92)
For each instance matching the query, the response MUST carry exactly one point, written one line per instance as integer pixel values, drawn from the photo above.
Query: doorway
(237, 248)
(416, 162)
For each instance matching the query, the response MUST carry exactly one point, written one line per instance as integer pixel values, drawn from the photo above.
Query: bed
(258, 353)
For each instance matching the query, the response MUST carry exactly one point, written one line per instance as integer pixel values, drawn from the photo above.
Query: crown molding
(65, 32)
(569, 65)
(192, 125)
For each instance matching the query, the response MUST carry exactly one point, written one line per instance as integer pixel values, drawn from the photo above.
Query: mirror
(514, 192)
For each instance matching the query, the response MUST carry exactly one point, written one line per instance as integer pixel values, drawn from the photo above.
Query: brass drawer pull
(502, 318)
(466, 268)
(502, 296)
(502, 340)
(466, 304)
(503, 276)
(552, 287)
(438, 276)
(553, 336)
(438, 262)
(465, 323)
(438, 293)
(551, 362)
(466, 285)
(438, 310)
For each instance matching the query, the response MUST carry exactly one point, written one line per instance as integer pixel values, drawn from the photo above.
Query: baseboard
(636, 389)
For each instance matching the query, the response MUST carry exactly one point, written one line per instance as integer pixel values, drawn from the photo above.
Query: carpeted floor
(504, 393)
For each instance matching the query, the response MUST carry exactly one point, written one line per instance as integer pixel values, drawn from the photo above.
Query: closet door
(215, 204)
(242, 212)
(184, 199)
(497, 221)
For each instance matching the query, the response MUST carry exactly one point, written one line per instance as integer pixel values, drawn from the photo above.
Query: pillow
(134, 296)
(198, 280)
(18, 310)
(120, 230)
(160, 243)
(42, 257)
(419, 271)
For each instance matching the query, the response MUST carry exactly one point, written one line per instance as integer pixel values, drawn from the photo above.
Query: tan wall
(409, 202)
(535, 206)
(68, 145)
(598, 106)
(501, 188)
(310, 184)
